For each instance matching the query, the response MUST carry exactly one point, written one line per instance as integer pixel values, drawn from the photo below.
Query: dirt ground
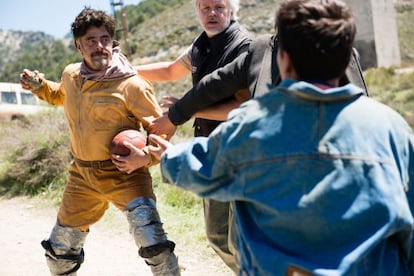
(109, 251)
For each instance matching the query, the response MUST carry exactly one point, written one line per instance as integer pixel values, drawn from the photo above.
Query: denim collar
(310, 92)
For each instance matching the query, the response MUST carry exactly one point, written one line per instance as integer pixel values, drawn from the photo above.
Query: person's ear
(289, 64)
(285, 64)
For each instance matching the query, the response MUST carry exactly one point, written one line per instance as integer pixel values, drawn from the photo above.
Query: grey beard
(101, 63)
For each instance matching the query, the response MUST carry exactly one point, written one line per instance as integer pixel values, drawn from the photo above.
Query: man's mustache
(99, 54)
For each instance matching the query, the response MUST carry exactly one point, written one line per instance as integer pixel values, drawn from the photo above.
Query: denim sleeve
(198, 166)
(410, 191)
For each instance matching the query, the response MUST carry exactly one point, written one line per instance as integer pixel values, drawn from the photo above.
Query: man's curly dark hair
(92, 18)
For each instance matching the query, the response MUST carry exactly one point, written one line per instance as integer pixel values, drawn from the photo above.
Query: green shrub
(34, 154)
(394, 88)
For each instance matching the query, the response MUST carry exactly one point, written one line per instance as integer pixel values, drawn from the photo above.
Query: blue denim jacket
(320, 180)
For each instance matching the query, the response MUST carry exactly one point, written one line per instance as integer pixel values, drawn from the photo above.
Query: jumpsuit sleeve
(142, 102)
(51, 92)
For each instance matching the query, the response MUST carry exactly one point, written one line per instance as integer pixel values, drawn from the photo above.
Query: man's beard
(102, 62)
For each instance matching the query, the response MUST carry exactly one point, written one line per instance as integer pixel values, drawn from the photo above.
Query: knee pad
(165, 263)
(149, 235)
(144, 221)
(64, 250)
(154, 250)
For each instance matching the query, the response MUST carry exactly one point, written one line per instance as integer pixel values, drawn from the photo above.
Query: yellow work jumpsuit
(96, 111)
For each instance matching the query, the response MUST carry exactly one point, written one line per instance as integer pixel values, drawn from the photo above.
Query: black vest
(208, 54)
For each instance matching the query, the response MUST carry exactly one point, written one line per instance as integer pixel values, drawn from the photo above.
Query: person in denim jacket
(320, 174)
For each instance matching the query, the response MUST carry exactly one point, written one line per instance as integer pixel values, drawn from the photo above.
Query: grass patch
(394, 88)
(181, 210)
(34, 154)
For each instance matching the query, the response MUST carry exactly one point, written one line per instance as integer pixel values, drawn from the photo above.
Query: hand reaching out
(168, 101)
(163, 125)
(157, 146)
(31, 80)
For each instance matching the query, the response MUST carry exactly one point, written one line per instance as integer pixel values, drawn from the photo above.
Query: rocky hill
(15, 43)
(165, 35)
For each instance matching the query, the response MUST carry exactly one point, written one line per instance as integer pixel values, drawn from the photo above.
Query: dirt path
(108, 252)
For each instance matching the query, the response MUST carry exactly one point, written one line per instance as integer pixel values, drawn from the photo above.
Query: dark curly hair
(92, 18)
(318, 35)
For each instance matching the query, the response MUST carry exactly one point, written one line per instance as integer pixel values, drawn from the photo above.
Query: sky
(54, 17)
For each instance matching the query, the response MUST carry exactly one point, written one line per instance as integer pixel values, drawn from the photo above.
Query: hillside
(15, 44)
(166, 34)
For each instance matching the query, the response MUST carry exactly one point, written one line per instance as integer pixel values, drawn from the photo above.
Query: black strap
(154, 250)
(76, 258)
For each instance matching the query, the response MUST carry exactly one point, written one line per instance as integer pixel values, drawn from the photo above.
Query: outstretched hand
(31, 80)
(168, 101)
(163, 125)
(157, 146)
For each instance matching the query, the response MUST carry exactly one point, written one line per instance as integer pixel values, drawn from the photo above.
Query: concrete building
(377, 38)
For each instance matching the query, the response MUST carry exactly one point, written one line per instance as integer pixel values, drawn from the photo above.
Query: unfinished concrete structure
(377, 38)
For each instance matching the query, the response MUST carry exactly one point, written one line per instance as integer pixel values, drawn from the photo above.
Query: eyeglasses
(94, 41)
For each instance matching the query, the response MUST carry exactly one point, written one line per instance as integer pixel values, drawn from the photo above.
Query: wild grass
(34, 154)
(393, 87)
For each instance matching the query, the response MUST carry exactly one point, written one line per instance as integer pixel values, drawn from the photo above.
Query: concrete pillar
(377, 38)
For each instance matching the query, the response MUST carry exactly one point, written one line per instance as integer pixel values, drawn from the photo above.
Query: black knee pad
(154, 250)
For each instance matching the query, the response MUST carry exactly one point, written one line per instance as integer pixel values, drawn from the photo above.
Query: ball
(132, 136)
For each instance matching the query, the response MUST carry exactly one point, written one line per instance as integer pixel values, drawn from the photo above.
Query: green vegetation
(405, 21)
(48, 58)
(394, 88)
(34, 155)
(148, 9)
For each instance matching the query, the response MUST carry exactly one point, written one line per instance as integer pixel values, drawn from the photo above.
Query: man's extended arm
(218, 85)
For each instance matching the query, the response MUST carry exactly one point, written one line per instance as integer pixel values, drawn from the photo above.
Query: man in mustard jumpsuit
(101, 96)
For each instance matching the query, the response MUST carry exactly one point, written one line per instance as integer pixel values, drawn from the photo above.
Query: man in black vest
(222, 40)
(255, 70)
